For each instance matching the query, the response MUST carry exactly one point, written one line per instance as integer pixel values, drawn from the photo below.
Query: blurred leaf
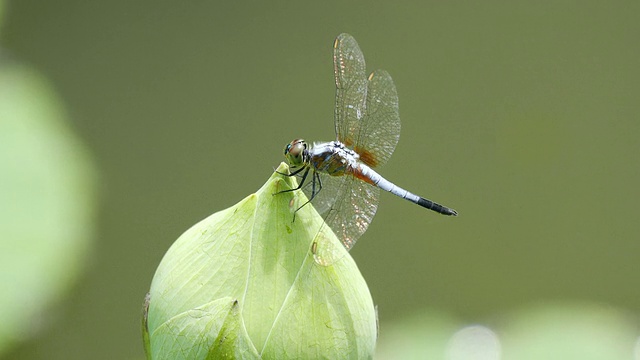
(423, 335)
(46, 202)
(569, 331)
(243, 283)
(550, 331)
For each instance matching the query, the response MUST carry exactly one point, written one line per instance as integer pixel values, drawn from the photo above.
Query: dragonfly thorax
(333, 158)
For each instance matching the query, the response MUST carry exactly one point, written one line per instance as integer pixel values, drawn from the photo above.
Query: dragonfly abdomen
(367, 174)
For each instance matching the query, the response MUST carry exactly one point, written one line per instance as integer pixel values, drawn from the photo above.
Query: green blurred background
(524, 117)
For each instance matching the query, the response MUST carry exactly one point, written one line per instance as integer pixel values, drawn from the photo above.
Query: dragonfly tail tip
(448, 211)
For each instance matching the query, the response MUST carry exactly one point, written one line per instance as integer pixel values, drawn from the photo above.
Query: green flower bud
(243, 284)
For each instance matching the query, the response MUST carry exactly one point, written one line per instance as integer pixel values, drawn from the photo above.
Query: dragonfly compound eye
(294, 152)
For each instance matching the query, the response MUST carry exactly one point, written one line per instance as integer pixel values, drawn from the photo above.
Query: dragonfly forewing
(351, 88)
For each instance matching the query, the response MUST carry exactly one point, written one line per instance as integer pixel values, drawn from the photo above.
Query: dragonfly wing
(366, 120)
(343, 200)
(326, 191)
(347, 206)
(351, 88)
(353, 211)
(366, 115)
(380, 129)
(349, 217)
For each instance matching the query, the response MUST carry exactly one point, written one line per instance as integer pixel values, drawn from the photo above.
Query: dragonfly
(338, 177)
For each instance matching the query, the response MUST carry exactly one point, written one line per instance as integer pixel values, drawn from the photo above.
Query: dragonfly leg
(293, 173)
(315, 179)
(314, 176)
(304, 177)
(314, 191)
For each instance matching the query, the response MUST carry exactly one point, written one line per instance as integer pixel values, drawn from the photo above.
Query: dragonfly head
(296, 153)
